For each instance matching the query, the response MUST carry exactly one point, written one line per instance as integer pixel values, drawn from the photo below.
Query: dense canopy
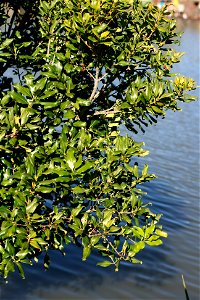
(72, 74)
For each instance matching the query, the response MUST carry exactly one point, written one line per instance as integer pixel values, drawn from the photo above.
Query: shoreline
(184, 9)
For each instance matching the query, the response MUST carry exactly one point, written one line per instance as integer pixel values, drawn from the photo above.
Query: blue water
(174, 157)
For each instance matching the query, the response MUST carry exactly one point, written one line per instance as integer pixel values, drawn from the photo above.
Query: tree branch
(119, 254)
(11, 23)
(96, 82)
(48, 47)
(106, 112)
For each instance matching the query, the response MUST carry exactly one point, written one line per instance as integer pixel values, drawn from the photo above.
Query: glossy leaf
(105, 263)
(31, 207)
(86, 252)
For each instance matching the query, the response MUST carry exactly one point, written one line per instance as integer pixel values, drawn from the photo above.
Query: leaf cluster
(72, 72)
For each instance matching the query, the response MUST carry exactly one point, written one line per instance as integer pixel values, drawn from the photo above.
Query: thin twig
(48, 47)
(103, 76)
(120, 255)
(90, 74)
(85, 42)
(52, 62)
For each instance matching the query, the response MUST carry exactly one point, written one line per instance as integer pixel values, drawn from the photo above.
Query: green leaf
(149, 231)
(70, 158)
(18, 97)
(145, 170)
(30, 165)
(126, 218)
(40, 241)
(84, 219)
(48, 105)
(123, 63)
(2, 134)
(34, 243)
(20, 269)
(40, 84)
(9, 248)
(100, 28)
(76, 211)
(4, 212)
(31, 207)
(135, 171)
(133, 199)
(88, 165)
(6, 43)
(105, 263)
(154, 243)
(104, 34)
(161, 233)
(86, 252)
(94, 240)
(25, 113)
(107, 218)
(114, 229)
(157, 110)
(101, 247)
(22, 253)
(136, 261)
(78, 190)
(44, 189)
(138, 231)
(79, 124)
(32, 234)
(48, 94)
(137, 247)
(85, 241)
(5, 99)
(9, 267)
(69, 114)
(23, 90)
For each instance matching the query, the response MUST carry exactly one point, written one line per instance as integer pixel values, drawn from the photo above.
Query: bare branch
(48, 47)
(96, 82)
(103, 76)
(90, 74)
(106, 112)
(85, 42)
(119, 254)
(12, 14)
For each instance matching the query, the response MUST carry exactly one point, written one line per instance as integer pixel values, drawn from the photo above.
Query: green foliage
(80, 69)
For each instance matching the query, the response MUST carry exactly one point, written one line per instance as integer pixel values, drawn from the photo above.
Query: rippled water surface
(174, 157)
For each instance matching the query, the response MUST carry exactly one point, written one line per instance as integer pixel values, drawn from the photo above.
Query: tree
(72, 73)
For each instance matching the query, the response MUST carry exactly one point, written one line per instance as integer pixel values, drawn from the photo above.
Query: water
(174, 157)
